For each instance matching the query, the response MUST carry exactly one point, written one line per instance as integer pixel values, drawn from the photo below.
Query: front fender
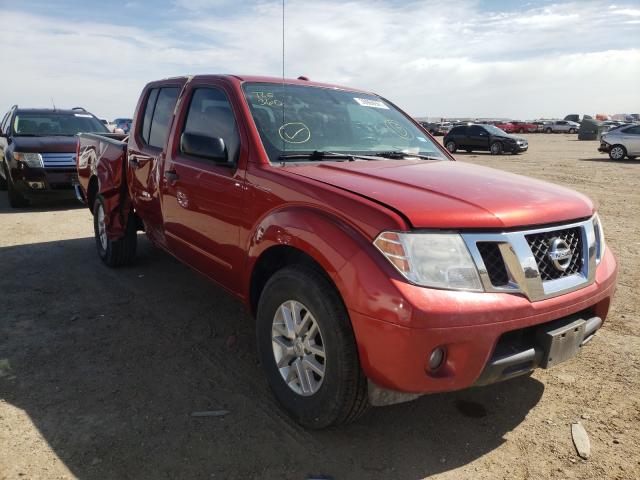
(360, 273)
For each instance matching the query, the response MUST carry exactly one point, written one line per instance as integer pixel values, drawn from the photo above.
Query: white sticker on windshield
(368, 102)
(421, 139)
(83, 115)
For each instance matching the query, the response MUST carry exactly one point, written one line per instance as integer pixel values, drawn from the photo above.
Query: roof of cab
(264, 79)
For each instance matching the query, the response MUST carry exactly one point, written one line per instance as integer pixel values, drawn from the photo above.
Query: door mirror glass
(203, 146)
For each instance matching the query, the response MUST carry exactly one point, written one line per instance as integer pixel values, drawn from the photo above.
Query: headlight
(600, 245)
(31, 159)
(439, 260)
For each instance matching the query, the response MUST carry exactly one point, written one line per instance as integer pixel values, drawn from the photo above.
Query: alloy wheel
(102, 229)
(298, 348)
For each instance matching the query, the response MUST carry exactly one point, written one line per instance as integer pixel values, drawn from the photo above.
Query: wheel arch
(308, 235)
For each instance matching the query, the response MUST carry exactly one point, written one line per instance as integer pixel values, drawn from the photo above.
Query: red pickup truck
(376, 266)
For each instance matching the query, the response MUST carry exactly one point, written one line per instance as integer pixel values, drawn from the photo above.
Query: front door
(202, 198)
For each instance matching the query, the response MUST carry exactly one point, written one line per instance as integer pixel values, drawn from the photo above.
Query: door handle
(171, 176)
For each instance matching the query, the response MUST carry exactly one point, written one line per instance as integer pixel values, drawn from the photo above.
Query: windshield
(495, 130)
(307, 119)
(57, 124)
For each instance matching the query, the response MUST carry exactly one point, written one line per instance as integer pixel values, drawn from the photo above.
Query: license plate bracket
(560, 342)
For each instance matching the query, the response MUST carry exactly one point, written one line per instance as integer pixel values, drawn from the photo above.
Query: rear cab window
(158, 114)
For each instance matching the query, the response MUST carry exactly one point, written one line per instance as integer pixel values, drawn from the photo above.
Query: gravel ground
(100, 370)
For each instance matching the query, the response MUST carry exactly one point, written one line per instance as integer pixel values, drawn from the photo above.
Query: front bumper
(394, 353)
(41, 182)
(604, 147)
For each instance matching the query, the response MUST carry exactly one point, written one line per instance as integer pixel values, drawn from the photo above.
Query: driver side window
(210, 115)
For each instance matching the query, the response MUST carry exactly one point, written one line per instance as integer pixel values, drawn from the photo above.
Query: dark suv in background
(38, 151)
(483, 137)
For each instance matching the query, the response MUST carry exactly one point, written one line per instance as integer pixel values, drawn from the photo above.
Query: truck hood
(52, 144)
(457, 195)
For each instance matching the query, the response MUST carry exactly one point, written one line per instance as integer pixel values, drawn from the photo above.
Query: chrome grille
(540, 244)
(59, 160)
(519, 262)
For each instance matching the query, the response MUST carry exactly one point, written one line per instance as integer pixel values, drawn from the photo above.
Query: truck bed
(101, 163)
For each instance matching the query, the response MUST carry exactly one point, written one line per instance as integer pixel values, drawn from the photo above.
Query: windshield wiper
(399, 154)
(317, 155)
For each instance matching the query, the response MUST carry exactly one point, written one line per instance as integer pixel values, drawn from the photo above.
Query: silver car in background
(621, 142)
(562, 126)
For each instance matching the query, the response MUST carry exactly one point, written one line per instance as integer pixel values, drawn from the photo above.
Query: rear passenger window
(476, 130)
(210, 114)
(148, 114)
(459, 130)
(162, 114)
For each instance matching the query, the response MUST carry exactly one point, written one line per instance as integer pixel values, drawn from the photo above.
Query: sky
(433, 58)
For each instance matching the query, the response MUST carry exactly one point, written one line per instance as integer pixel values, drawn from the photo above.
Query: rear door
(154, 118)
(202, 199)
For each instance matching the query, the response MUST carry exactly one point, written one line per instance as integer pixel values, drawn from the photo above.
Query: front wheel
(307, 349)
(496, 148)
(451, 146)
(617, 152)
(548, 130)
(572, 130)
(114, 253)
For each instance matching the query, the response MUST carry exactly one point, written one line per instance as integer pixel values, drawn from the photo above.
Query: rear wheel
(548, 130)
(617, 152)
(114, 253)
(496, 148)
(451, 146)
(307, 349)
(572, 130)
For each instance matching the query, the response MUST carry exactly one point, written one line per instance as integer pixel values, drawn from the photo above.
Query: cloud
(431, 57)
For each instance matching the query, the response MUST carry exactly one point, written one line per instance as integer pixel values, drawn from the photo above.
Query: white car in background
(562, 126)
(621, 142)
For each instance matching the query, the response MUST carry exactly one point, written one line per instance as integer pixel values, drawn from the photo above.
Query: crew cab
(485, 138)
(377, 267)
(37, 152)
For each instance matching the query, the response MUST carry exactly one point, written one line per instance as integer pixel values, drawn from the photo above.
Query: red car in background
(524, 127)
(508, 127)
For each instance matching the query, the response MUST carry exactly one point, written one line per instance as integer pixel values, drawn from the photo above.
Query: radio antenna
(54, 105)
(283, 87)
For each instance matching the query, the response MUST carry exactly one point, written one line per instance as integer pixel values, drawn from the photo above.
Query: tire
(617, 152)
(16, 199)
(496, 148)
(451, 146)
(468, 151)
(572, 130)
(521, 130)
(3, 180)
(337, 397)
(548, 130)
(114, 253)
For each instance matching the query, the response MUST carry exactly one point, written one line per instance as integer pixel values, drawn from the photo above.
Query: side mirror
(203, 146)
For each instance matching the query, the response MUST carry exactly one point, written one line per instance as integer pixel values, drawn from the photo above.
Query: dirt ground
(100, 370)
